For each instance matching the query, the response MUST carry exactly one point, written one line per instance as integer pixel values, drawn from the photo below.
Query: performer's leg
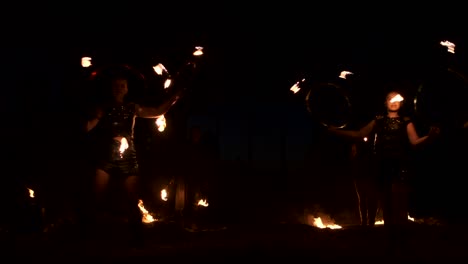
(132, 210)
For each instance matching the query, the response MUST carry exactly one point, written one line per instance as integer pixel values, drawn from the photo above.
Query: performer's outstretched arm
(354, 134)
(155, 112)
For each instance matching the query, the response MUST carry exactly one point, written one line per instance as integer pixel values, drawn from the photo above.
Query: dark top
(117, 121)
(391, 138)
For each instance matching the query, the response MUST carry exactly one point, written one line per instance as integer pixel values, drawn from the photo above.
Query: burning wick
(160, 69)
(164, 195)
(161, 123)
(31, 193)
(202, 202)
(396, 98)
(343, 74)
(295, 88)
(198, 51)
(85, 62)
(123, 146)
(450, 46)
(147, 217)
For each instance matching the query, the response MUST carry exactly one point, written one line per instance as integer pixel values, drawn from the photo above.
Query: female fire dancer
(112, 125)
(392, 135)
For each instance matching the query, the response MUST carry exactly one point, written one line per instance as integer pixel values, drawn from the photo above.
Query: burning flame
(396, 98)
(161, 123)
(164, 194)
(123, 145)
(198, 51)
(86, 62)
(147, 217)
(31, 193)
(450, 46)
(381, 222)
(295, 88)
(318, 223)
(167, 83)
(159, 69)
(343, 74)
(202, 202)
(365, 139)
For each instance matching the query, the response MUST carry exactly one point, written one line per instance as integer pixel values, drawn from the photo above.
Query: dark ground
(266, 242)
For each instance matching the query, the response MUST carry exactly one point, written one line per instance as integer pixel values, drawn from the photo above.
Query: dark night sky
(253, 56)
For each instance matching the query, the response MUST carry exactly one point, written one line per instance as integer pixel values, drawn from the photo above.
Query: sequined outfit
(117, 121)
(392, 153)
(391, 148)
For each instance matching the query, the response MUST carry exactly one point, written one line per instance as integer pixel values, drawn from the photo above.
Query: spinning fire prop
(343, 74)
(31, 193)
(326, 101)
(86, 62)
(450, 46)
(296, 87)
(161, 70)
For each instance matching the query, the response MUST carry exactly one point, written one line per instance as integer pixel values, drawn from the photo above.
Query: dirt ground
(268, 242)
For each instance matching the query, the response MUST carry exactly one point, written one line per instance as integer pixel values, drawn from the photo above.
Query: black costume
(392, 161)
(118, 121)
(391, 149)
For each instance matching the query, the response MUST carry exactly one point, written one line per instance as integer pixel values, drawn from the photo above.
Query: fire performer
(112, 124)
(392, 135)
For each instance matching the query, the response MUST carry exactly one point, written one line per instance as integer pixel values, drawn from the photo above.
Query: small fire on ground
(147, 217)
(381, 222)
(328, 223)
(321, 223)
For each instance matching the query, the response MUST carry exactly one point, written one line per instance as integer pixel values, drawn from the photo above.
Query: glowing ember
(159, 69)
(164, 194)
(202, 202)
(450, 46)
(85, 62)
(396, 98)
(147, 217)
(295, 88)
(161, 123)
(167, 83)
(198, 51)
(343, 74)
(31, 193)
